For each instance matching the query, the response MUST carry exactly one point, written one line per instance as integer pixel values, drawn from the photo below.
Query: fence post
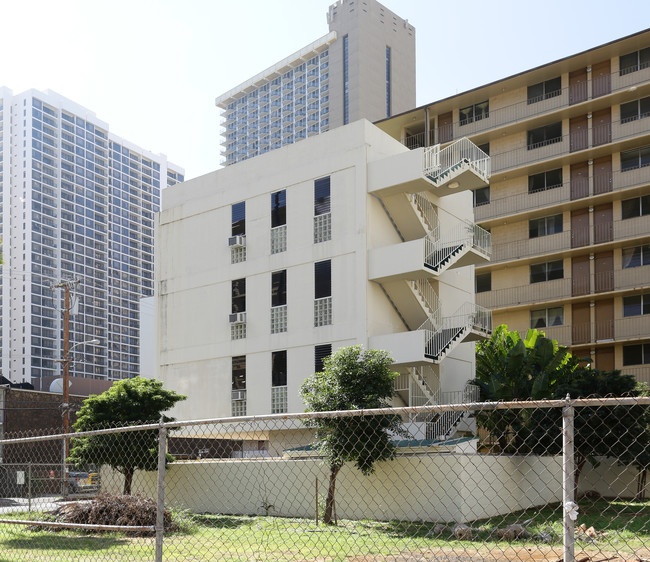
(29, 487)
(568, 481)
(160, 509)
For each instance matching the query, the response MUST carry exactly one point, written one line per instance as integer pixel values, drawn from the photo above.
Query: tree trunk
(329, 502)
(128, 479)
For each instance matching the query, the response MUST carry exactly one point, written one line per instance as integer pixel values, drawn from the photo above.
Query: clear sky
(152, 68)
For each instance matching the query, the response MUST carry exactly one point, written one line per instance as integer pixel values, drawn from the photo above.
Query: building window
(388, 104)
(635, 207)
(346, 81)
(483, 282)
(485, 148)
(322, 293)
(322, 210)
(638, 354)
(238, 295)
(279, 208)
(545, 180)
(474, 112)
(636, 158)
(634, 61)
(320, 353)
(544, 90)
(239, 219)
(278, 382)
(545, 317)
(634, 110)
(546, 271)
(238, 399)
(279, 302)
(542, 136)
(481, 196)
(636, 305)
(545, 226)
(636, 256)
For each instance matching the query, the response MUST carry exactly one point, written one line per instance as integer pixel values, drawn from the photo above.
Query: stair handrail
(437, 162)
(428, 294)
(426, 208)
(439, 243)
(447, 421)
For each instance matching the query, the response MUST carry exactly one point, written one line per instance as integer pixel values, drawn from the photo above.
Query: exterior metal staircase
(443, 251)
(469, 322)
(441, 166)
(444, 424)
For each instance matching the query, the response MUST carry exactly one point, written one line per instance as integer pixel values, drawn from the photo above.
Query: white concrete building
(78, 202)
(363, 68)
(265, 267)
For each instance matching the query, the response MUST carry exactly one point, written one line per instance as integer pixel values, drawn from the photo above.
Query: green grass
(221, 537)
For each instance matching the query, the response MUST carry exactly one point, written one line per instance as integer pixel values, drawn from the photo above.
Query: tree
(352, 379)
(536, 367)
(128, 402)
(509, 367)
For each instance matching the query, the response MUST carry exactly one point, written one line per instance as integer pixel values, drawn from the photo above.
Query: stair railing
(437, 162)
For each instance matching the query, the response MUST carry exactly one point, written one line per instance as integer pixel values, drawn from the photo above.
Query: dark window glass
(238, 295)
(239, 372)
(542, 136)
(483, 282)
(544, 90)
(485, 148)
(481, 196)
(546, 317)
(634, 61)
(635, 207)
(322, 279)
(636, 158)
(239, 218)
(278, 208)
(636, 256)
(545, 180)
(636, 354)
(632, 305)
(322, 196)
(279, 288)
(474, 112)
(545, 226)
(633, 110)
(320, 353)
(279, 368)
(546, 271)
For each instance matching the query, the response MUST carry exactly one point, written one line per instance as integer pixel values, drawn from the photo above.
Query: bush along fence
(556, 480)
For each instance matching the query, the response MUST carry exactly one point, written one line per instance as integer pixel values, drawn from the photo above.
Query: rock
(462, 532)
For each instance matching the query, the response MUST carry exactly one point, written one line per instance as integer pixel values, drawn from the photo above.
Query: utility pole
(66, 286)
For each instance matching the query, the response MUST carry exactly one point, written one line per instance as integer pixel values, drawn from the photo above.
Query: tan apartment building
(568, 203)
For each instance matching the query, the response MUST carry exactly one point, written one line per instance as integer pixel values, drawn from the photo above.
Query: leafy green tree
(352, 379)
(509, 367)
(128, 402)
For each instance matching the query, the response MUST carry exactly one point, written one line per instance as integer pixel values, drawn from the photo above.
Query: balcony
(457, 167)
(561, 289)
(463, 244)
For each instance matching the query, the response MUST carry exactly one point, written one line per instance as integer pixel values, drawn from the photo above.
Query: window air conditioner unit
(238, 395)
(237, 241)
(238, 318)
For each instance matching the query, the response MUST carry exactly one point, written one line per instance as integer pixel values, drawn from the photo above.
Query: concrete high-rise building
(363, 68)
(78, 202)
(346, 238)
(568, 203)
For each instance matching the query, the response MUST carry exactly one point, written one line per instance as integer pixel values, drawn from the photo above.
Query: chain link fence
(551, 480)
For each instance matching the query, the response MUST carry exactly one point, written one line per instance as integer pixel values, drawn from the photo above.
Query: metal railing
(428, 296)
(442, 244)
(439, 163)
(426, 210)
(452, 329)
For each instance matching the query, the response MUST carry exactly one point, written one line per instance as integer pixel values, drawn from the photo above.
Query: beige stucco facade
(570, 190)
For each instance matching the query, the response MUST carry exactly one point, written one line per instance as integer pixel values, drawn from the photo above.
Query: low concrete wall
(440, 487)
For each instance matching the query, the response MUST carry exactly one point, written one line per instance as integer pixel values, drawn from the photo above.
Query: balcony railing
(568, 191)
(506, 249)
(561, 289)
(528, 109)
